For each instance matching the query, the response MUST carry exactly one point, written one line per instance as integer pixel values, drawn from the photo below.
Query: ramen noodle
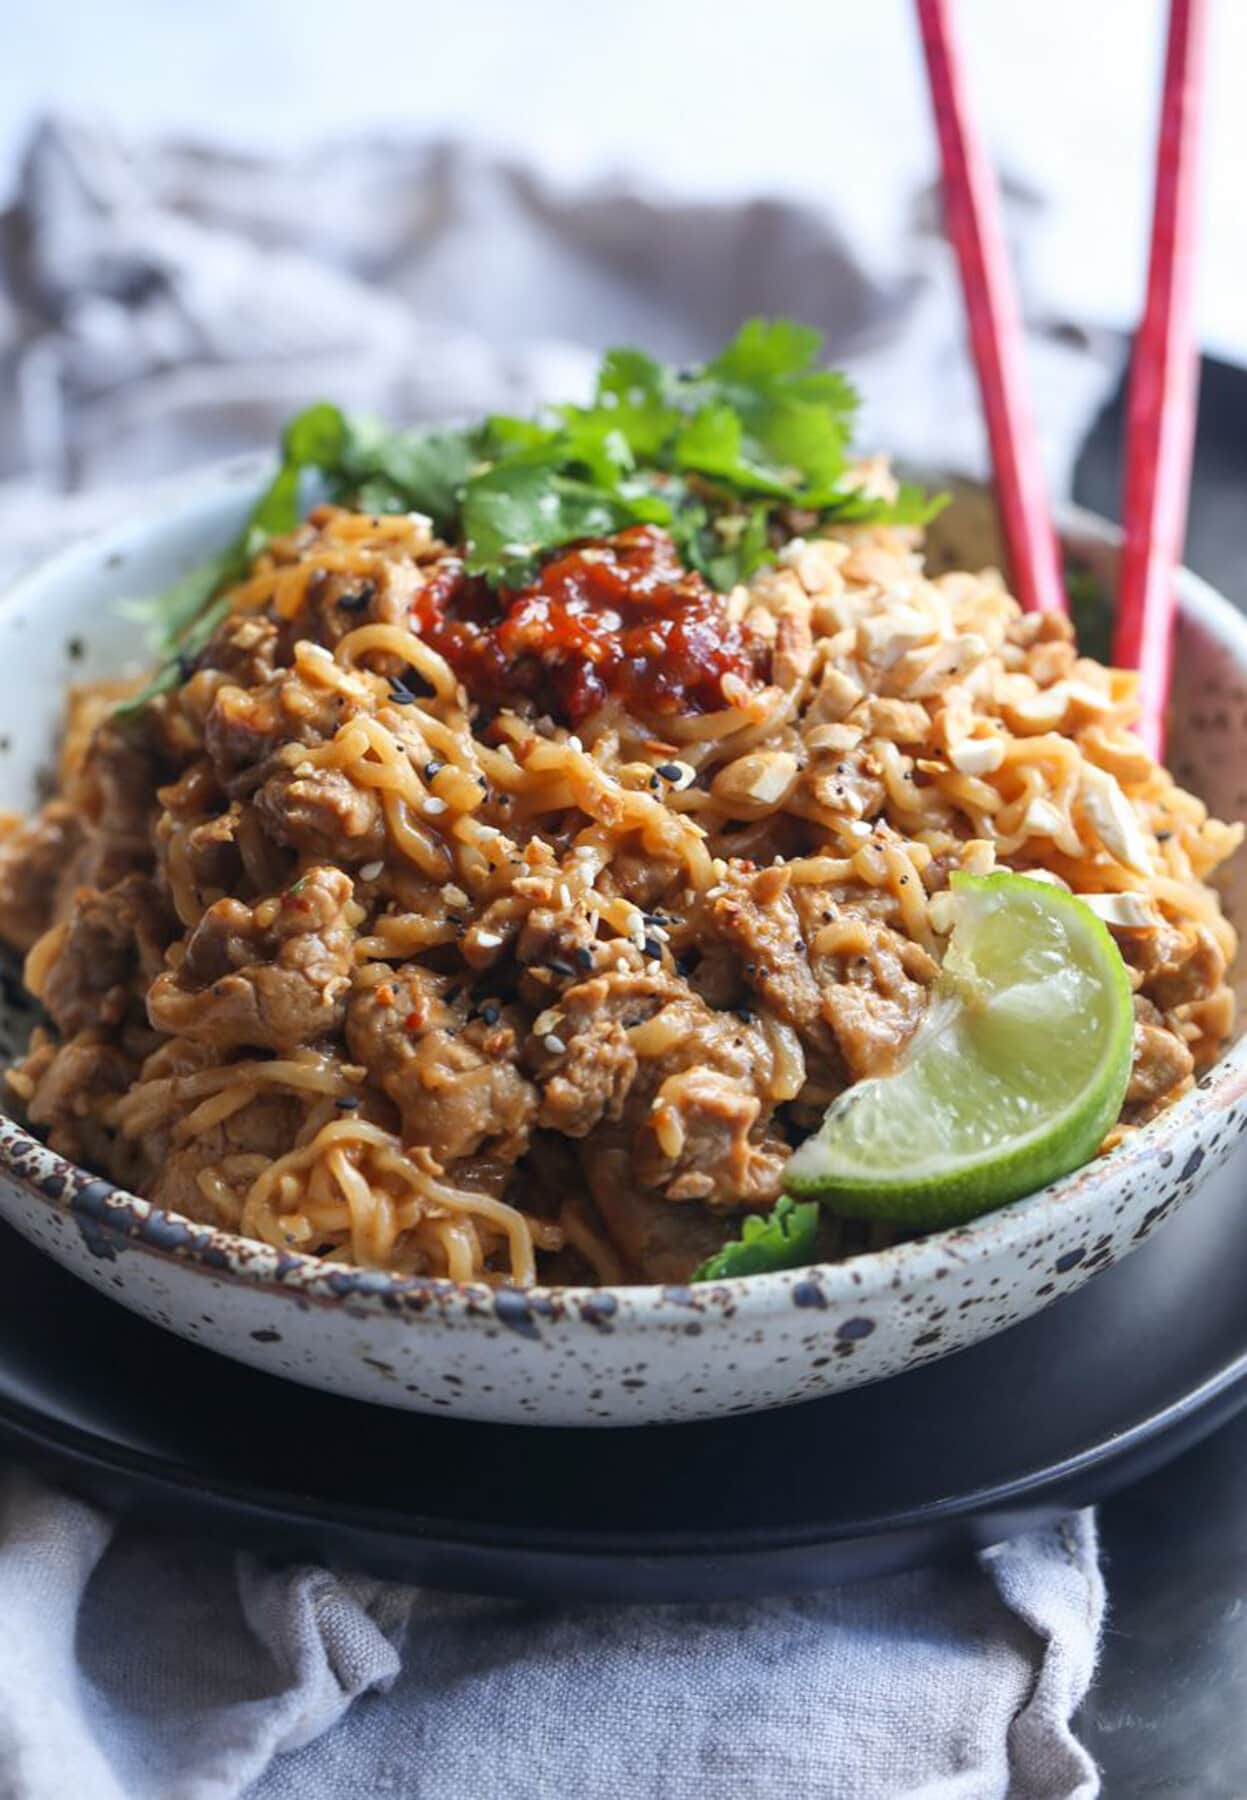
(387, 937)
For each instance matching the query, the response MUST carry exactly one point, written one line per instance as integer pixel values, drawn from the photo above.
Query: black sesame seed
(670, 771)
(347, 1102)
(653, 949)
(584, 958)
(491, 1014)
(75, 649)
(413, 687)
(559, 965)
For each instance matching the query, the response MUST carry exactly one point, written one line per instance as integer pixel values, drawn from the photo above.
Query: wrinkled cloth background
(164, 306)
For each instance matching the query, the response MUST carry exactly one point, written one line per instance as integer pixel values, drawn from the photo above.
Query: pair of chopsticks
(1160, 425)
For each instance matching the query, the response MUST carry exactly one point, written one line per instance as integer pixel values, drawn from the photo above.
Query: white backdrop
(807, 98)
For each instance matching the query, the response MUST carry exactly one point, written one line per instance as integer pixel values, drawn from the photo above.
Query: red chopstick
(1164, 383)
(973, 222)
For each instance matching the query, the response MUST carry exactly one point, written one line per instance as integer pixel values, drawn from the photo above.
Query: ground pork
(451, 1071)
(107, 951)
(33, 857)
(686, 1093)
(277, 985)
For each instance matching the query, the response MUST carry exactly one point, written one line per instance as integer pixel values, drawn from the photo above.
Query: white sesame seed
(370, 870)
(488, 940)
(574, 743)
(432, 806)
(318, 650)
(554, 1045)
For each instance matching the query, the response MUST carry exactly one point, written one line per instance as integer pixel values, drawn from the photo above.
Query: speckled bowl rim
(106, 1212)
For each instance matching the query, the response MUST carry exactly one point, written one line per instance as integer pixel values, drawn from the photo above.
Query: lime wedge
(1013, 1079)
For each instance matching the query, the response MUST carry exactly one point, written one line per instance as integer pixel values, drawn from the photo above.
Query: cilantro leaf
(515, 512)
(714, 443)
(635, 390)
(912, 506)
(783, 1240)
(765, 348)
(316, 437)
(402, 471)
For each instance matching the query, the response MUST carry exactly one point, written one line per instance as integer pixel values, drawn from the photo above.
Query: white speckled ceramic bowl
(588, 1356)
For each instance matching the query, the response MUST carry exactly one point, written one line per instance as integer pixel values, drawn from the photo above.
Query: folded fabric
(161, 309)
(139, 1666)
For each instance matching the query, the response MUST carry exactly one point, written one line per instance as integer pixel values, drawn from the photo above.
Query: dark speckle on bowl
(855, 1328)
(808, 1293)
(512, 1310)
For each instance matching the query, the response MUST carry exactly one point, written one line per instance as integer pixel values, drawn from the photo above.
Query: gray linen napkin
(140, 1667)
(162, 308)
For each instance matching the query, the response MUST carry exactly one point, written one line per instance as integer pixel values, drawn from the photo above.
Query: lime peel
(1013, 1079)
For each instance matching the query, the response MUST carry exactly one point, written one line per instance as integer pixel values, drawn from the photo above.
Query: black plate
(1099, 1389)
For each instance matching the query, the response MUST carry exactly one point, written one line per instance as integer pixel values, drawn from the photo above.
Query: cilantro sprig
(782, 1240)
(714, 454)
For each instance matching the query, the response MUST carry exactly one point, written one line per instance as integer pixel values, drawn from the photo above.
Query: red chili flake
(414, 1021)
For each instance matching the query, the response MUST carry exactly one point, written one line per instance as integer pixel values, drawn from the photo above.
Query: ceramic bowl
(575, 1356)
